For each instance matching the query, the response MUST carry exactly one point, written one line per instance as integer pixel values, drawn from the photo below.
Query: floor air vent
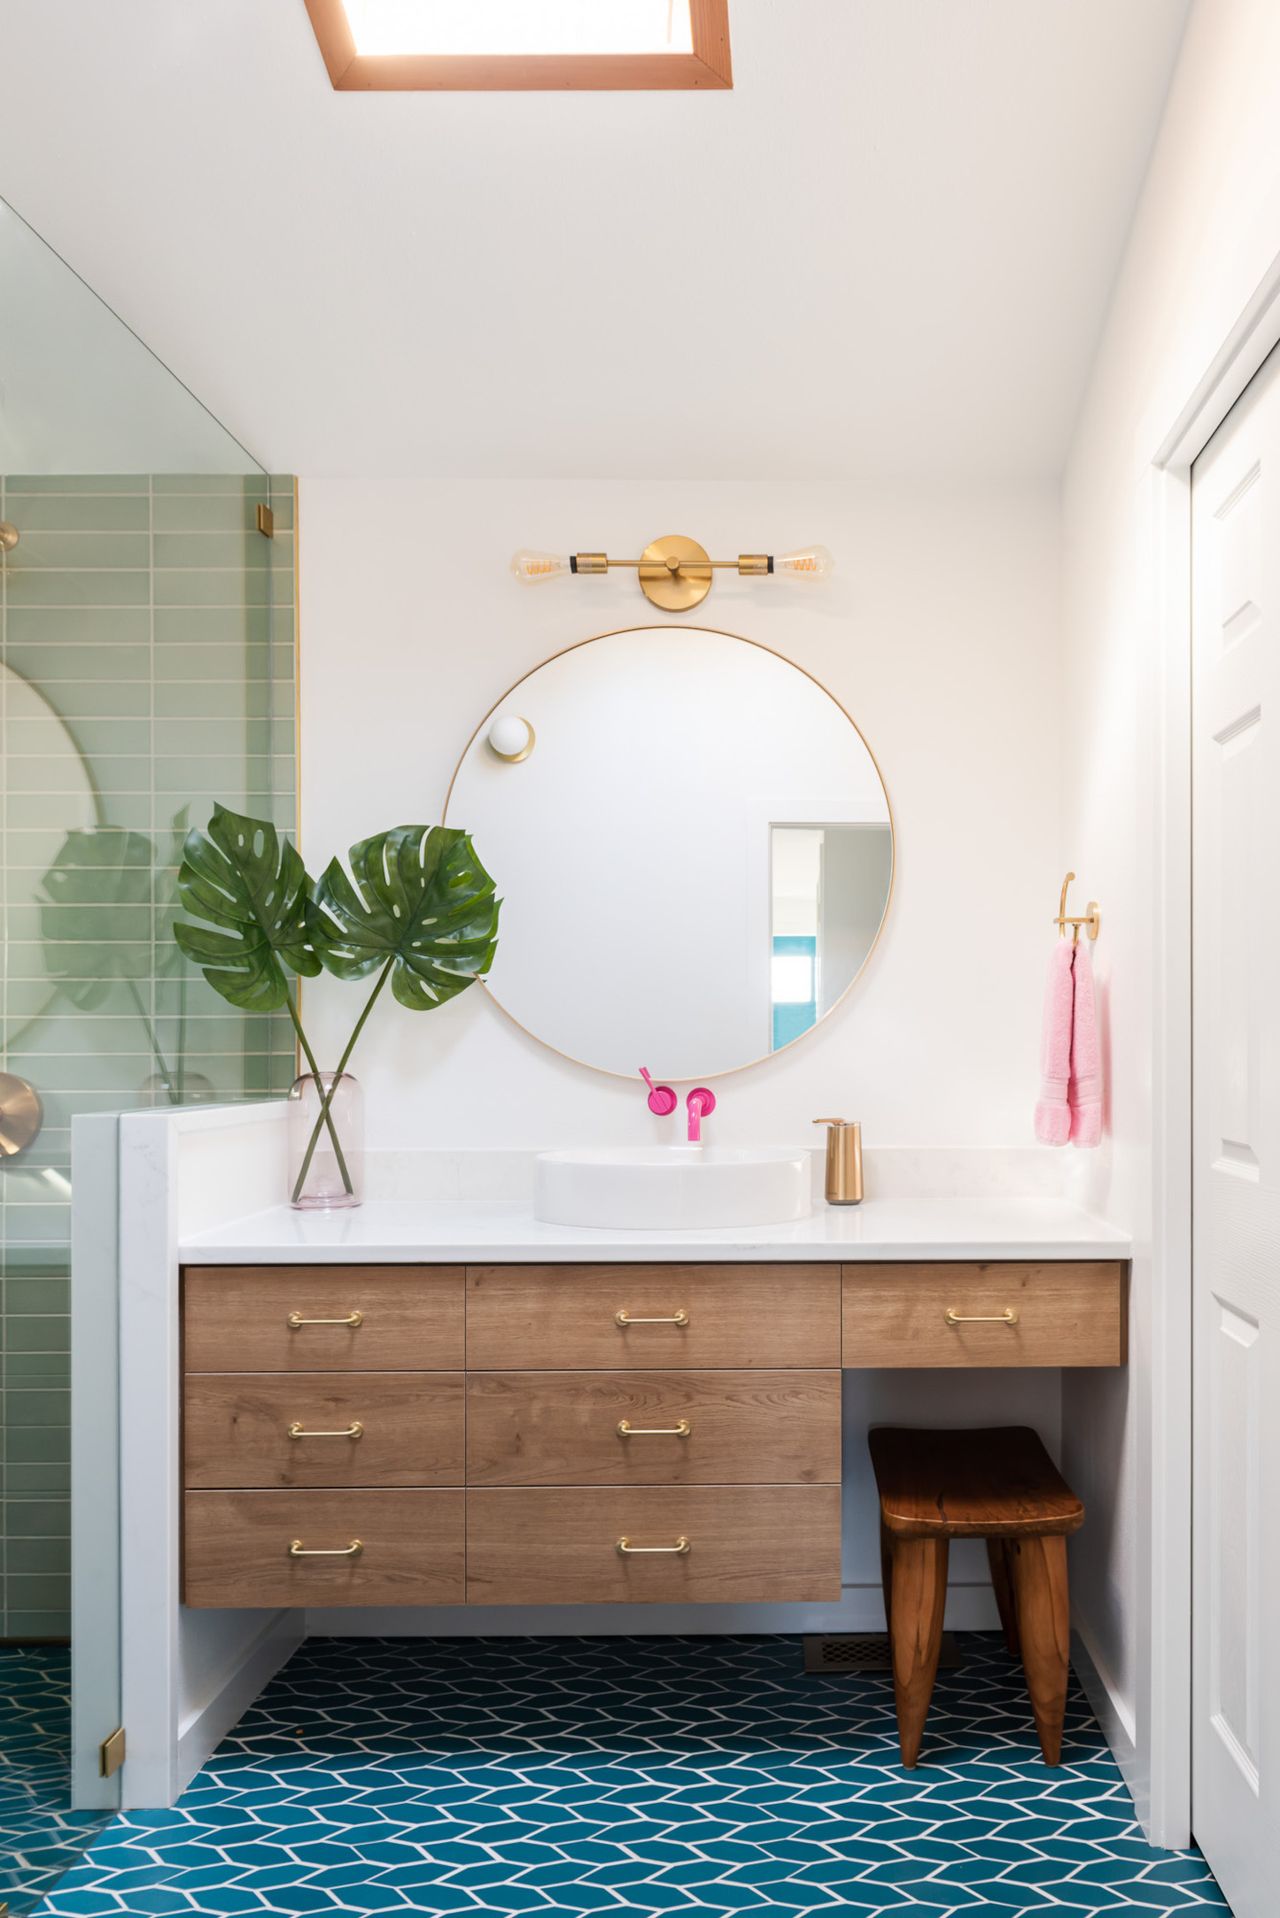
(861, 1652)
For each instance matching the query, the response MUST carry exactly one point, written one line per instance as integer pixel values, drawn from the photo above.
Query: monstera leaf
(418, 904)
(95, 915)
(251, 889)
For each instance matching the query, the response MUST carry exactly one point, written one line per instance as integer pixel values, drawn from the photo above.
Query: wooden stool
(999, 1484)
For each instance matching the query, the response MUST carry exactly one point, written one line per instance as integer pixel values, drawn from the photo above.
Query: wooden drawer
(745, 1544)
(236, 1550)
(561, 1428)
(236, 1429)
(766, 1316)
(1064, 1313)
(238, 1318)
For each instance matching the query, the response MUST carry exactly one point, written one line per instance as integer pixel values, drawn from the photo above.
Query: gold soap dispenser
(844, 1161)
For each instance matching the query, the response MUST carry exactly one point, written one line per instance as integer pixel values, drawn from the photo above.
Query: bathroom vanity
(437, 1414)
(566, 1433)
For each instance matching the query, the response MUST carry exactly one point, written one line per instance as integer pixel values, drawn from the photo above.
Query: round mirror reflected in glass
(694, 845)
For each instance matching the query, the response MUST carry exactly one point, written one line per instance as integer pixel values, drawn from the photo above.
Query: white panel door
(1235, 513)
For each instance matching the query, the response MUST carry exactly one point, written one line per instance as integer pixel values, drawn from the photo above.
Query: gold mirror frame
(721, 632)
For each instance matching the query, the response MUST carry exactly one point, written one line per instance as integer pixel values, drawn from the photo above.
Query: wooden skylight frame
(707, 67)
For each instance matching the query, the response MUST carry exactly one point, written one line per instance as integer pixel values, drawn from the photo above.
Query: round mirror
(38, 747)
(694, 845)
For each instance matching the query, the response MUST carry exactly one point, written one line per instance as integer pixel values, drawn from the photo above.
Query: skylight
(519, 26)
(523, 45)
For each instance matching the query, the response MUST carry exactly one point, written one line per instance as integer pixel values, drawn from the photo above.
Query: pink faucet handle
(662, 1100)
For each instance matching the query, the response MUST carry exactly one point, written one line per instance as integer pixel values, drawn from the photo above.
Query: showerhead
(9, 536)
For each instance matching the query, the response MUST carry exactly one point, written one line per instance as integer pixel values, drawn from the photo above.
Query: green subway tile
(187, 990)
(31, 1594)
(77, 483)
(210, 777)
(234, 552)
(37, 775)
(64, 627)
(50, 1295)
(84, 549)
(192, 587)
(91, 1071)
(36, 1517)
(35, 735)
(210, 625)
(78, 698)
(80, 513)
(92, 736)
(31, 1225)
(202, 738)
(119, 776)
(72, 671)
(39, 1405)
(47, 1472)
(71, 589)
(28, 1556)
(206, 482)
(115, 1034)
(217, 513)
(38, 1625)
(281, 583)
(95, 923)
(218, 699)
(41, 1478)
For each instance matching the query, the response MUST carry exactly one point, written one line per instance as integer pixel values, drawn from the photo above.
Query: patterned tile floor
(633, 1777)
(39, 1835)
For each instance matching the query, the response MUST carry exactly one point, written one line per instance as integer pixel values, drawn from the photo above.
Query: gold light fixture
(675, 573)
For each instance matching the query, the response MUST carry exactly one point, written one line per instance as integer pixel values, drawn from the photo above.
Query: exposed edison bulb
(530, 568)
(810, 562)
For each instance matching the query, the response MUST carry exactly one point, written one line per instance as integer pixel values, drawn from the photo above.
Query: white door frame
(1166, 518)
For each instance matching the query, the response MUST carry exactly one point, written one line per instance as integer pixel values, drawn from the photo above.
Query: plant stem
(166, 1077)
(326, 1098)
(310, 1057)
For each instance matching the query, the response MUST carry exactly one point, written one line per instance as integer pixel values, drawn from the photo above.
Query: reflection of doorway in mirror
(828, 885)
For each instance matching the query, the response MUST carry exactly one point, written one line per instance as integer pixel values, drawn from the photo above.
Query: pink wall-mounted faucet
(662, 1100)
(701, 1103)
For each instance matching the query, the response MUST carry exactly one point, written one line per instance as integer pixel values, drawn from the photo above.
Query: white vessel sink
(666, 1187)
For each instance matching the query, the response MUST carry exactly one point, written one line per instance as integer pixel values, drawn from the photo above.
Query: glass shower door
(146, 670)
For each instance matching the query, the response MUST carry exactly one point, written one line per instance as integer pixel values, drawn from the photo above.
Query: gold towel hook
(1091, 919)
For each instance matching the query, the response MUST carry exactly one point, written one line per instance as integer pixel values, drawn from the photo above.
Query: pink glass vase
(326, 1150)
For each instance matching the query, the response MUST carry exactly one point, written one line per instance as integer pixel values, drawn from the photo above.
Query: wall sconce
(511, 738)
(674, 572)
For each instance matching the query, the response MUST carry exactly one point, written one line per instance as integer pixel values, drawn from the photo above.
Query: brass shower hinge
(266, 522)
(111, 1753)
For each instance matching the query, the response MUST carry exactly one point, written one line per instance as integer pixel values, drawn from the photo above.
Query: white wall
(938, 632)
(1206, 233)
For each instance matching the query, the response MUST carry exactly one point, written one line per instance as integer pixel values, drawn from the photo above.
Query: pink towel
(1053, 1113)
(1085, 1091)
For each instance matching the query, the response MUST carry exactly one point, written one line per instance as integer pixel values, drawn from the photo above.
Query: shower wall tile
(158, 625)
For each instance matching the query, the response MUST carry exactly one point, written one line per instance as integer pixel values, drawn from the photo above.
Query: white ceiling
(887, 251)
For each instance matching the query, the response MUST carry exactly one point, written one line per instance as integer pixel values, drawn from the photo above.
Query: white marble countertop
(391, 1231)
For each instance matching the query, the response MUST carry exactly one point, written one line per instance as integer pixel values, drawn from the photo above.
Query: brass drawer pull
(295, 1319)
(627, 1430)
(298, 1550)
(1007, 1317)
(628, 1550)
(353, 1431)
(624, 1319)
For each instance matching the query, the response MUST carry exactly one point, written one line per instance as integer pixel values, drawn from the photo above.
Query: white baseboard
(205, 1728)
(1112, 1713)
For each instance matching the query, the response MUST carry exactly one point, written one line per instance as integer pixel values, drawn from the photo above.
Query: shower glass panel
(146, 670)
